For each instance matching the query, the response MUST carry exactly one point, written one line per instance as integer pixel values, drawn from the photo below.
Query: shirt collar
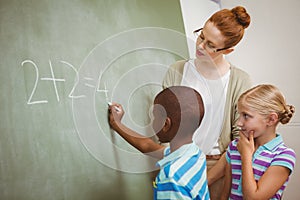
(188, 149)
(271, 145)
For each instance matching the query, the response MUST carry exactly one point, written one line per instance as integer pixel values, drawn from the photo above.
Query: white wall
(195, 13)
(268, 52)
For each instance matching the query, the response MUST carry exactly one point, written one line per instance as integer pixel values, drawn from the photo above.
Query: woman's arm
(140, 142)
(227, 182)
(217, 171)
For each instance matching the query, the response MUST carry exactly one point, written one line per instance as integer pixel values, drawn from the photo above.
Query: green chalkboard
(61, 62)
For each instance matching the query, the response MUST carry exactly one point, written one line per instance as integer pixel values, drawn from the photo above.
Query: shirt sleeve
(231, 149)
(228, 153)
(286, 158)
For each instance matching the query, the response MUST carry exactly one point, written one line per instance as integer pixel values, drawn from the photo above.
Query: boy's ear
(167, 125)
(273, 119)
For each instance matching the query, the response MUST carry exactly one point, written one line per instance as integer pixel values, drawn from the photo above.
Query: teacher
(220, 84)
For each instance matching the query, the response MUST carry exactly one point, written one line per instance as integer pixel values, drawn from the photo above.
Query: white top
(213, 94)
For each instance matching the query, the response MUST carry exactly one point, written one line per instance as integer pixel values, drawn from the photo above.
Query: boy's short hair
(183, 105)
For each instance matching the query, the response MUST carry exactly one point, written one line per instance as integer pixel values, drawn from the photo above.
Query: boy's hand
(115, 112)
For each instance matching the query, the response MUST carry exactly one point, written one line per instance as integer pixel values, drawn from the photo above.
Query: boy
(177, 113)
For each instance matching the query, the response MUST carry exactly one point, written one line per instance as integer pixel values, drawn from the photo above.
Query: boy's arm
(227, 182)
(140, 142)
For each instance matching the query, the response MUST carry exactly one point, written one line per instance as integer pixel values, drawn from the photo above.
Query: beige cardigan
(238, 83)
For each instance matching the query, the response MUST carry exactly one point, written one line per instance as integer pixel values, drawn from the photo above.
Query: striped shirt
(182, 174)
(273, 153)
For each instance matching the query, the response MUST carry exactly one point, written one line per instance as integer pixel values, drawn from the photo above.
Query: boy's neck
(177, 143)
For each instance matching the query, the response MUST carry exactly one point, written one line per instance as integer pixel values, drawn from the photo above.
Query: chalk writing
(105, 91)
(54, 80)
(35, 83)
(76, 82)
(87, 84)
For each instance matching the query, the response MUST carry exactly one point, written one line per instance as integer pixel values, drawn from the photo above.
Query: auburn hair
(231, 23)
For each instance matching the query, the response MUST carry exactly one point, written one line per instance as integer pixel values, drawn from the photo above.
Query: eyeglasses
(198, 34)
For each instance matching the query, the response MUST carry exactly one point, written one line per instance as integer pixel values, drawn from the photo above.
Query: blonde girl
(259, 164)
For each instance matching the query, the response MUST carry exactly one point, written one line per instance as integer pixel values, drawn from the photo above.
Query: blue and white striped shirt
(270, 154)
(182, 174)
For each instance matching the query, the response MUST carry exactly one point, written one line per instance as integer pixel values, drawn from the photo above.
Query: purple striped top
(275, 152)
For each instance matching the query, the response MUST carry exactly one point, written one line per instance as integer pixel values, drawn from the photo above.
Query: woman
(218, 82)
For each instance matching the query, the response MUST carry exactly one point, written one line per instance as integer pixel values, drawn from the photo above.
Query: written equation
(55, 80)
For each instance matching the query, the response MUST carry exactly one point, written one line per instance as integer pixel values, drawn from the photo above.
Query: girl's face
(251, 120)
(210, 39)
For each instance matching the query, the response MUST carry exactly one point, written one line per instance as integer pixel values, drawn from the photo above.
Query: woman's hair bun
(241, 16)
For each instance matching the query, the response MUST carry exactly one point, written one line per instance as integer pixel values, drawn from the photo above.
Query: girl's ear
(273, 119)
(167, 125)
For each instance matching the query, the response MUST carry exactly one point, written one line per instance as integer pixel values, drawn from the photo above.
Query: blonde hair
(267, 99)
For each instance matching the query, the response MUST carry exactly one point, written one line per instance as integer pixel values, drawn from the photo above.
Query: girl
(259, 163)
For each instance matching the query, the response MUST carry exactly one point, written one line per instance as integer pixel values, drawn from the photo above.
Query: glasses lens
(197, 32)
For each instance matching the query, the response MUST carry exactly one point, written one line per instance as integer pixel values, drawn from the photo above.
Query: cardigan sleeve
(242, 83)
(239, 82)
(174, 74)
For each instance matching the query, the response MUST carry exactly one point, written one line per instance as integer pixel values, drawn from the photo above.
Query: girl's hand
(245, 145)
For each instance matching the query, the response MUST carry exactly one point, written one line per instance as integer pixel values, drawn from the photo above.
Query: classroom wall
(268, 52)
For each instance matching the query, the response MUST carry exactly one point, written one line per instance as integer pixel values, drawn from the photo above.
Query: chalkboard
(61, 62)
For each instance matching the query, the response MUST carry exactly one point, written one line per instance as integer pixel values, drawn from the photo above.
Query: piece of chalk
(117, 109)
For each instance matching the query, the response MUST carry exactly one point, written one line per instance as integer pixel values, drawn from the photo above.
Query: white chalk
(117, 109)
